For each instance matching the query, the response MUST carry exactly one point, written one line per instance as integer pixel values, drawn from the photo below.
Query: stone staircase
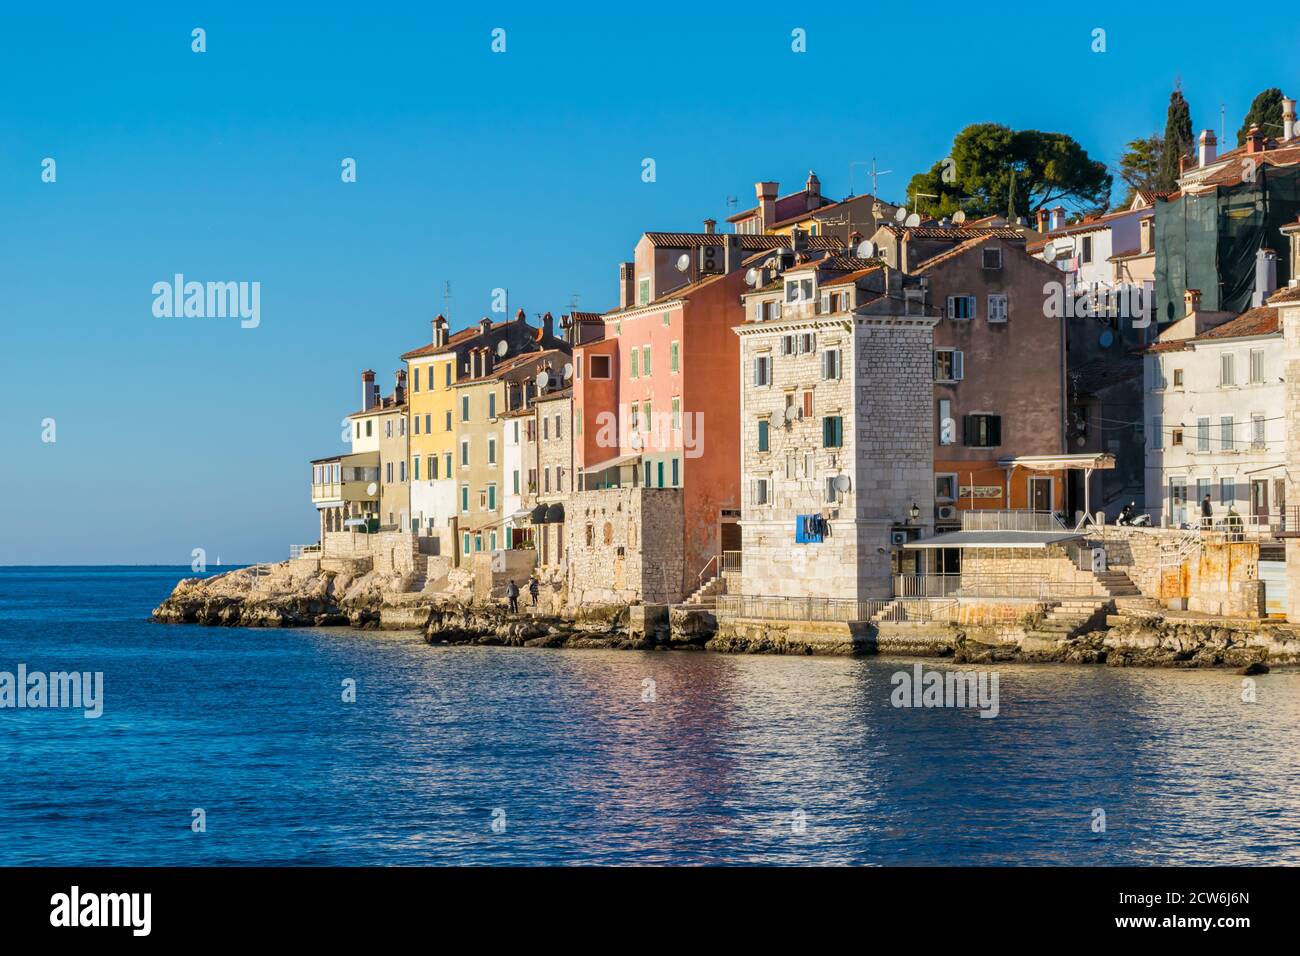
(706, 595)
(1116, 584)
(1071, 618)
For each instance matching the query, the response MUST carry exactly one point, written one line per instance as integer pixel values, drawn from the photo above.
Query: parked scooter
(1132, 518)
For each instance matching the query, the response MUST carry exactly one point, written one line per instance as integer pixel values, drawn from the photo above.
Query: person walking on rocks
(512, 594)
(532, 590)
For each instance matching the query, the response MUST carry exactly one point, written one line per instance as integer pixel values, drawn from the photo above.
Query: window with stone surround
(832, 431)
(763, 370)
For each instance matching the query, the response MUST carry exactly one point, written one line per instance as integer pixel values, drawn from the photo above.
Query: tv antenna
(446, 298)
(874, 174)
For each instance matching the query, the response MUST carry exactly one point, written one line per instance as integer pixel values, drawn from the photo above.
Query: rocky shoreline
(280, 596)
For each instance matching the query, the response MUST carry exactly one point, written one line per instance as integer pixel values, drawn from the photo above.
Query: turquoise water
(739, 759)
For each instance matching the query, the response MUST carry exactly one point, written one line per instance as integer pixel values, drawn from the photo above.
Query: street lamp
(915, 512)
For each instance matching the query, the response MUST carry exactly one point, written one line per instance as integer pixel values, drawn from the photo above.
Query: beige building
(553, 468)
(836, 430)
(383, 426)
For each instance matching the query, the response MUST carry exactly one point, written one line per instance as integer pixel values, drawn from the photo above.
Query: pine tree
(1177, 142)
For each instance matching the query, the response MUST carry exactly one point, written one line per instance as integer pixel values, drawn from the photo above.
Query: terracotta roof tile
(1289, 293)
(748, 241)
(1258, 321)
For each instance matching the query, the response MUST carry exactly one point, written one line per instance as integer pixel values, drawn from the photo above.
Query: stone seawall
(300, 596)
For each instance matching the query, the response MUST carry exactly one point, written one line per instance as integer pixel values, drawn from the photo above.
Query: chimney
(766, 195)
(1254, 140)
(798, 239)
(368, 390)
(1288, 119)
(1041, 219)
(485, 324)
(568, 330)
(1265, 276)
(1058, 218)
(487, 359)
(710, 226)
(1191, 302)
(439, 330)
(626, 284)
(1182, 165)
(548, 326)
(813, 187)
(1207, 150)
(399, 389)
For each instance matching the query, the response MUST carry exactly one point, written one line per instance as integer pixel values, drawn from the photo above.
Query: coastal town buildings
(1106, 292)
(482, 400)
(434, 371)
(808, 211)
(656, 401)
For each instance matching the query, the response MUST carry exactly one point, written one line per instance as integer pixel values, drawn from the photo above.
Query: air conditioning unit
(711, 260)
(946, 512)
(898, 538)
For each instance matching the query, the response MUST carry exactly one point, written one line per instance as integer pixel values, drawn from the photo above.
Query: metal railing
(299, 550)
(992, 585)
(979, 519)
(730, 561)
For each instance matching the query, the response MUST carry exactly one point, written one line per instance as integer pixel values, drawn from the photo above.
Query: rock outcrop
(302, 594)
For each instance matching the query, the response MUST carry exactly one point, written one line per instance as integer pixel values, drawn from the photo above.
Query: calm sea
(520, 756)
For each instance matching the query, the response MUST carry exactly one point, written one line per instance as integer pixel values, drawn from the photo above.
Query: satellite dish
(543, 379)
(912, 221)
(372, 489)
(502, 348)
(791, 413)
(683, 262)
(866, 249)
(959, 217)
(901, 214)
(568, 370)
(842, 483)
(751, 278)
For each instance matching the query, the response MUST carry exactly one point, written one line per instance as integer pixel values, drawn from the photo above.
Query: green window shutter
(762, 436)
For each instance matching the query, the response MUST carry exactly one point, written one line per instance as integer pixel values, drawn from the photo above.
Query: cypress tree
(1178, 141)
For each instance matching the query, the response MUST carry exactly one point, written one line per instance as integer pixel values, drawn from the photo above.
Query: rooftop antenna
(573, 303)
(1222, 130)
(446, 298)
(916, 201)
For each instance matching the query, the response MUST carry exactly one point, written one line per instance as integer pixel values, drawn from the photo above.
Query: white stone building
(836, 429)
(1215, 422)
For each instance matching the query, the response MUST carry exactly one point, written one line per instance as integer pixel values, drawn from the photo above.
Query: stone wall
(389, 552)
(1016, 571)
(1221, 577)
(625, 546)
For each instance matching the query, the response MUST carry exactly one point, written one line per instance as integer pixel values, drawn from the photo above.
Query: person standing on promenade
(512, 594)
(1207, 512)
(532, 590)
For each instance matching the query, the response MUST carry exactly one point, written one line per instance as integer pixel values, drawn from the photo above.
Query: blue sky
(520, 170)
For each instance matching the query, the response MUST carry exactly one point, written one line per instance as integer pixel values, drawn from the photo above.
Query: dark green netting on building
(1209, 242)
